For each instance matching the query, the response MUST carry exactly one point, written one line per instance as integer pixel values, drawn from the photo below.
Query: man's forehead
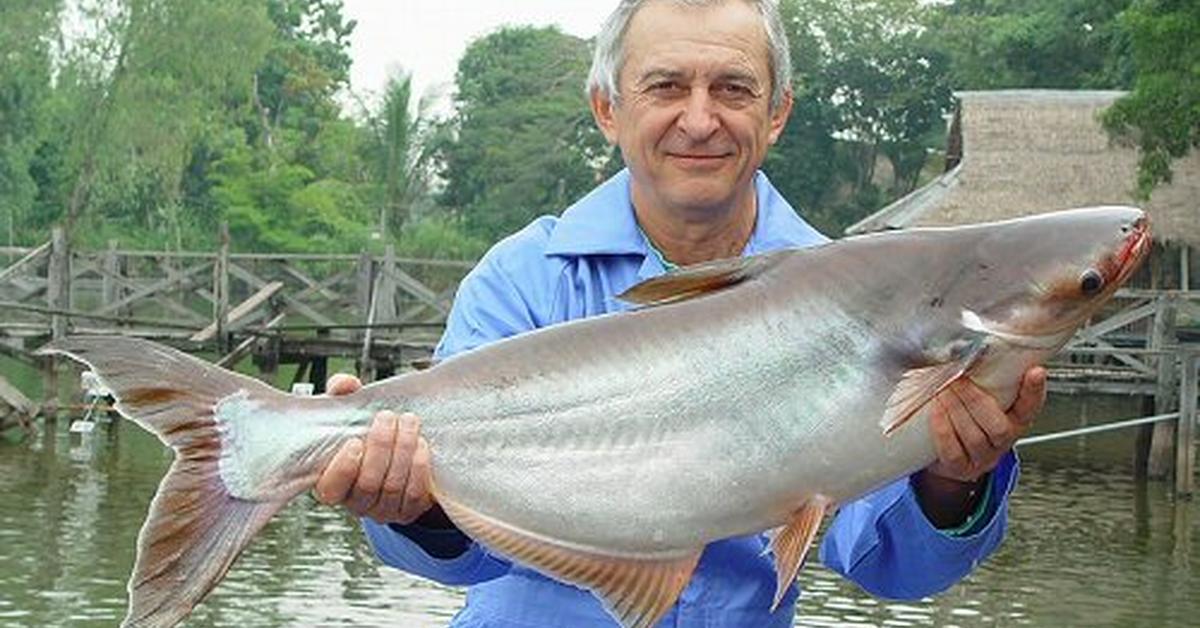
(669, 36)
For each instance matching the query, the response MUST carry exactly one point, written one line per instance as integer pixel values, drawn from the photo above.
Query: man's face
(693, 119)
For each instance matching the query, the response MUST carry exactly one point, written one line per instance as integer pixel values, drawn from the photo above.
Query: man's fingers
(417, 498)
(1031, 397)
(342, 384)
(987, 415)
(376, 459)
(399, 470)
(952, 454)
(973, 438)
(334, 484)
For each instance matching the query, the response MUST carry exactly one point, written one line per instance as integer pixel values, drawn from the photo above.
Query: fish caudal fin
(195, 528)
(636, 591)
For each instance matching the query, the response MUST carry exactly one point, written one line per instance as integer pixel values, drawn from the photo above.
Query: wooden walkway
(381, 311)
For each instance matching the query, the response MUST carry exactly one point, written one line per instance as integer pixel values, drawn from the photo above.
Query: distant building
(1022, 152)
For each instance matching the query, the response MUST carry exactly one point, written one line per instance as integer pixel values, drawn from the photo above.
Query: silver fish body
(609, 451)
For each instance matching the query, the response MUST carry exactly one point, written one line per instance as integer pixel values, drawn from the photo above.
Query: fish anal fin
(701, 279)
(636, 591)
(791, 543)
(918, 386)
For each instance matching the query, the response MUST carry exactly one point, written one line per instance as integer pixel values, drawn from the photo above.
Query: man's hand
(385, 475)
(972, 433)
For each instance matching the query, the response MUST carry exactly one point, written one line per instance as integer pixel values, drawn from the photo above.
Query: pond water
(1087, 546)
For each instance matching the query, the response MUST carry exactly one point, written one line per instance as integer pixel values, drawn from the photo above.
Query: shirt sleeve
(886, 544)
(488, 307)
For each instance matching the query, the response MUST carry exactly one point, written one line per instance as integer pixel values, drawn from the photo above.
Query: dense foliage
(152, 121)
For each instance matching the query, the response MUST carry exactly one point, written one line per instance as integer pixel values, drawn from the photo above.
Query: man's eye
(733, 89)
(663, 86)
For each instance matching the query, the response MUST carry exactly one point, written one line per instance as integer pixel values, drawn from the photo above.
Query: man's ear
(779, 117)
(603, 114)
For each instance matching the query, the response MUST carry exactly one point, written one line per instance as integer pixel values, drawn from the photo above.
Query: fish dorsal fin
(919, 385)
(790, 543)
(638, 592)
(701, 279)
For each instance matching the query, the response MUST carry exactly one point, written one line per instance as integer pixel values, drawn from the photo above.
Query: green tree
(868, 81)
(521, 142)
(1161, 116)
(26, 30)
(995, 44)
(400, 158)
(134, 94)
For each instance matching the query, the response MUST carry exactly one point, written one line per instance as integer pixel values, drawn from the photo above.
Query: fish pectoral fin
(637, 592)
(791, 543)
(918, 386)
(701, 279)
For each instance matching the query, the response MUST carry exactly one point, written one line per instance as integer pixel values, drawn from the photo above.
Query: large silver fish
(746, 395)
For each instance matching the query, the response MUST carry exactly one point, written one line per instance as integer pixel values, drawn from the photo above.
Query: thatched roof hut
(1031, 151)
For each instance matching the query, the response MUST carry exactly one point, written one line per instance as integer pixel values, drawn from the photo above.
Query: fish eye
(1091, 282)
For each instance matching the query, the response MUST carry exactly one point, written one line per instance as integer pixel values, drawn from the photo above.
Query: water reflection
(1087, 546)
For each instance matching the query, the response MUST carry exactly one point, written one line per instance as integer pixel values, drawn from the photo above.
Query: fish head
(1042, 277)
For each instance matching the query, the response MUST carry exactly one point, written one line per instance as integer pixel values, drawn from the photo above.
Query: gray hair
(609, 56)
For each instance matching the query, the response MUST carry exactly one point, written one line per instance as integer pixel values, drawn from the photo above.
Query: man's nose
(699, 117)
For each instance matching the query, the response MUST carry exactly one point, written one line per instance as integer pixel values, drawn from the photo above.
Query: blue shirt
(560, 269)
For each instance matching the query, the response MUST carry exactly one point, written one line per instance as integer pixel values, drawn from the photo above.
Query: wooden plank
(300, 308)
(243, 348)
(182, 278)
(21, 307)
(445, 297)
(16, 400)
(240, 311)
(1126, 317)
(11, 270)
(123, 286)
(410, 285)
(313, 286)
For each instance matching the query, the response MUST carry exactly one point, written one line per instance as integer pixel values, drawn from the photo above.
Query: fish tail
(195, 528)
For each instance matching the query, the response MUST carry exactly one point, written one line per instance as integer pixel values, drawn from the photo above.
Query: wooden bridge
(381, 311)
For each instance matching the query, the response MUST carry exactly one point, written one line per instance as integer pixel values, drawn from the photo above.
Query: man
(693, 92)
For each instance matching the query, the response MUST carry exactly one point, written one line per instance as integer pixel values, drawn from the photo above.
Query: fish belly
(647, 436)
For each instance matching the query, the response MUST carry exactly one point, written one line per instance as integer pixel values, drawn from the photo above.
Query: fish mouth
(1136, 247)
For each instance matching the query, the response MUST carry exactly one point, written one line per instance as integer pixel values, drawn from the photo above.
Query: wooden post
(1158, 464)
(58, 295)
(1185, 267)
(385, 300)
(221, 289)
(110, 290)
(319, 372)
(1185, 449)
(364, 277)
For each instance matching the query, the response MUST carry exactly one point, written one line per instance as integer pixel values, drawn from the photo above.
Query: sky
(427, 37)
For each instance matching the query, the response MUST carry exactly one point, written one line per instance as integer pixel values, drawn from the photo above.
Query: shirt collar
(603, 223)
